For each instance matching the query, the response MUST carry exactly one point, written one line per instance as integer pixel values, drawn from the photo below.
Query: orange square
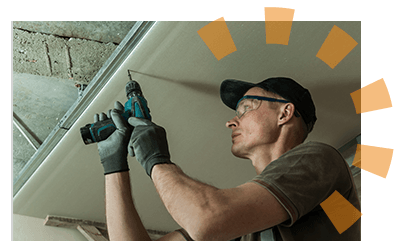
(340, 211)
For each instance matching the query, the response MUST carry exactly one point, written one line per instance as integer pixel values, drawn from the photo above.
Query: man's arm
(206, 212)
(209, 213)
(123, 221)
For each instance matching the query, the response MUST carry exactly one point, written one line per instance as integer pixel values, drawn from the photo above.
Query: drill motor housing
(136, 106)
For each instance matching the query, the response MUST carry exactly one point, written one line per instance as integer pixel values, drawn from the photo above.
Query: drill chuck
(132, 88)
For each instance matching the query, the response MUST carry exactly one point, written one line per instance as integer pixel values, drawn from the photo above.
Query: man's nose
(232, 122)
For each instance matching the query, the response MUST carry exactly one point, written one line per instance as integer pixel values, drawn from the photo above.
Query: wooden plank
(84, 226)
(91, 233)
(59, 221)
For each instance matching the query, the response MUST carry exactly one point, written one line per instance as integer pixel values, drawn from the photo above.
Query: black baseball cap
(232, 91)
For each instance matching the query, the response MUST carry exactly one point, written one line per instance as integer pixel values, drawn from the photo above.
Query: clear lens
(246, 105)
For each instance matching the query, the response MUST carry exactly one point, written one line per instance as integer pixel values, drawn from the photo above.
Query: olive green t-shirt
(300, 180)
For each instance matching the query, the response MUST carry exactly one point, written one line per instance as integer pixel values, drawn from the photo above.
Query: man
(273, 118)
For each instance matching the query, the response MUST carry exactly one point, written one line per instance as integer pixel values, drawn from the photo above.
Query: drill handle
(98, 131)
(101, 130)
(137, 107)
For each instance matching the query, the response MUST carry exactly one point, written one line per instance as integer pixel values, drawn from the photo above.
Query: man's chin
(238, 153)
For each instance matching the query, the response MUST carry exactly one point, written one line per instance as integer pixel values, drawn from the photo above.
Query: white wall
(27, 228)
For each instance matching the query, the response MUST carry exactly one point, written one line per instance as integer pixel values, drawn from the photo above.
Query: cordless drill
(135, 106)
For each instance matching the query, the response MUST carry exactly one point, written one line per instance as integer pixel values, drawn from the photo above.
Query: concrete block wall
(47, 55)
(49, 60)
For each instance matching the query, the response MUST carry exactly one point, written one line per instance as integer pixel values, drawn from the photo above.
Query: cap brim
(232, 91)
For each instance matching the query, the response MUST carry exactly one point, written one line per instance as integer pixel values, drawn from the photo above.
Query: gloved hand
(149, 143)
(114, 150)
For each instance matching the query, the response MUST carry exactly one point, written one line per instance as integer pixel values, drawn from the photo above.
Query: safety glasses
(252, 102)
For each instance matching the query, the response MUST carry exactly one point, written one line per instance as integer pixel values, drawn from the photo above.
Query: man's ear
(286, 113)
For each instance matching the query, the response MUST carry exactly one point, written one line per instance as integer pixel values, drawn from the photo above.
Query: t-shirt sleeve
(304, 177)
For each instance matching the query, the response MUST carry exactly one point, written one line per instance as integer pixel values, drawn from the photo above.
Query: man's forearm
(190, 202)
(123, 221)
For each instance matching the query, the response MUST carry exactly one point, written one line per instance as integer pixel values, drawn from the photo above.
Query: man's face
(256, 129)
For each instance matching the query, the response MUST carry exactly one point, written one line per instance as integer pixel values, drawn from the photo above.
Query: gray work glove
(114, 150)
(149, 143)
